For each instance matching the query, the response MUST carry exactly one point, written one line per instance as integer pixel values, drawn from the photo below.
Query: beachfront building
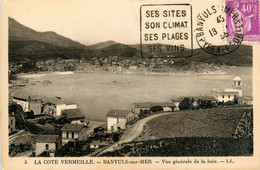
(117, 119)
(231, 93)
(11, 123)
(138, 108)
(28, 103)
(73, 133)
(48, 145)
(167, 106)
(55, 106)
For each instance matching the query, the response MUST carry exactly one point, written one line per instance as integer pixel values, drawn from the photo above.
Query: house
(11, 123)
(132, 67)
(74, 115)
(167, 106)
(55, 106)
(48, 145)
(117, 119)
(231, 93)
(73, 132)
(225, 96)
(98, 144)
(137, 108)
(100, 129)
(29, 103)
(247, 100)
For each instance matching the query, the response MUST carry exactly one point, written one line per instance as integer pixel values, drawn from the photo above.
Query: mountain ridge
(28, 45)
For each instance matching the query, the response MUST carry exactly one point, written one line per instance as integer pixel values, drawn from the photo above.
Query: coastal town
(47, 127)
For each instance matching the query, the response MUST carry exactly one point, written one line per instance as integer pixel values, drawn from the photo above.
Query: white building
(28, 103)
(230, 93)
(55, 106)
(117, 119)
(73, 132)
(48, 144)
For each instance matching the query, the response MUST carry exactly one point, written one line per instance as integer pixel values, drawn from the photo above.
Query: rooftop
(143, 105)
(54, 100)
(73, 114)
(237, 78)
(25, 96)
(47, 138)
(97, 142)
(246, 98)
(72, 127)
(118, 113)
(179, 99)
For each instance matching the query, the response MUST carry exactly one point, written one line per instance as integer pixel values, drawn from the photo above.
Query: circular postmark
(219, 29)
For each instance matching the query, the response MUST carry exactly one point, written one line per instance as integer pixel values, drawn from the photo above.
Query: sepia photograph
(130, 79)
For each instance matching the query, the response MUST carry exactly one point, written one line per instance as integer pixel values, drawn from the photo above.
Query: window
(67, 134)
(72, 135)
(238, 83)
(228, 96)
(223, 96)
(47, 147)
(117, 120)
(11, 122)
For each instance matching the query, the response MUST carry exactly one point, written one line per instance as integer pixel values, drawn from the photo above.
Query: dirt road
(134, 131)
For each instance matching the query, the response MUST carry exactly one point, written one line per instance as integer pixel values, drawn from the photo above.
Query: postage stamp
(247, 15)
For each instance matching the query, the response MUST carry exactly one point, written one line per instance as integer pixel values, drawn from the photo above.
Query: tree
(235, 100)
(29, 115)
(116, 137)
(185, 104)
(156, 109)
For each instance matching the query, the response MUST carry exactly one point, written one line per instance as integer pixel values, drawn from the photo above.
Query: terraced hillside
(216, 122)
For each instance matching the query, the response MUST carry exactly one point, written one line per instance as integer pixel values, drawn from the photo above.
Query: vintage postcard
(130, 84)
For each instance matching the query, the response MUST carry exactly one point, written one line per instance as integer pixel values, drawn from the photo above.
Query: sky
(86, 21)
(89, 21)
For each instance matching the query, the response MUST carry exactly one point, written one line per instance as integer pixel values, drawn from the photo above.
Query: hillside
(102, 45)
(27, 45)
(119, 50)
(19, 32)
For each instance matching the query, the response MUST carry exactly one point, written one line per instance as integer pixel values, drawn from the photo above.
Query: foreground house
(29, 103)
(73, 133)
(117, 119)
(55, 106)
(11, 123)
(48, 145)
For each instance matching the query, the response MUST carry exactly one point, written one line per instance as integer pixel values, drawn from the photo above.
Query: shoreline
(137, 72)
(42, 74)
